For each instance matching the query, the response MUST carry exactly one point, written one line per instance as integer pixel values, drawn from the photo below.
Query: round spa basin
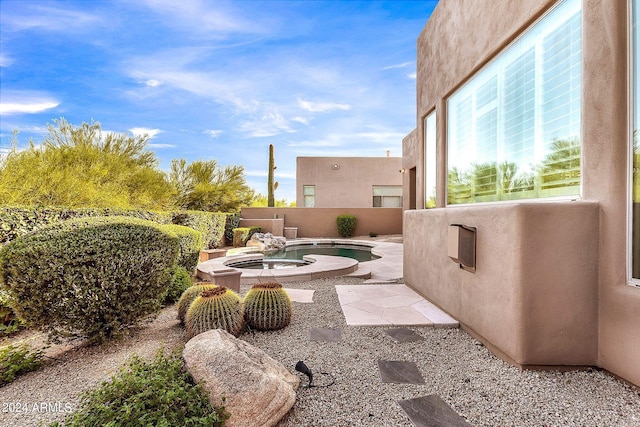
(268, 264)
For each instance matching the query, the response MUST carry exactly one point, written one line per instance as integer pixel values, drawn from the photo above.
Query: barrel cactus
(190, 294)
(218, 308)
(267, 306)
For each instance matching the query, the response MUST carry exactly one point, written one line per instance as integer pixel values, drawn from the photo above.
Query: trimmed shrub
(211, 225)
(180, 282)
(241, 235)
(158, 393)
(189, 295)
(218, 308)
(346, 225)
(190, 245)
(17, 360)
(88, 277)
(231, 223)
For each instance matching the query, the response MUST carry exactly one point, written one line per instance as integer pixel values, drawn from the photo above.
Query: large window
(430, 160)
(634, 244)
(387, 196)
(513, 131)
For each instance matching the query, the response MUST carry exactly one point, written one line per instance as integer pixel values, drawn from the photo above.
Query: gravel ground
(480, 387)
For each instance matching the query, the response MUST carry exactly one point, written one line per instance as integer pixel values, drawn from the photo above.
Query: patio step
(360, 273)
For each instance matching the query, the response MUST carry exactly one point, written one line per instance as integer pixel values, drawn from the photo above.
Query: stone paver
(399, 372)
(300, 295)
(431, 411)
(389, 305)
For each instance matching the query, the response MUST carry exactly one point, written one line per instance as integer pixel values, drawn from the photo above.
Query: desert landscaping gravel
(483, 389)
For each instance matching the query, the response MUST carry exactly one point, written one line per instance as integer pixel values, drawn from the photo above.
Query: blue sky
(216, 79)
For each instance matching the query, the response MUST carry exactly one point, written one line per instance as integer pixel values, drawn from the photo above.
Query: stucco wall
(411, 149)
(321, 222)
(533, 296)
(347, 185)
(457, 41)
(605, 149)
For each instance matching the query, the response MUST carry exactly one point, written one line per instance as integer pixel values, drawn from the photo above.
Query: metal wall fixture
(461, 246)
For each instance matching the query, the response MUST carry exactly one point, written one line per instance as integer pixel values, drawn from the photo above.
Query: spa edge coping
(321, 265)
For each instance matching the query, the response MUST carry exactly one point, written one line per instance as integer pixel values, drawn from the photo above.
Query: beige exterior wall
(550, 286)
(412, 183)
(321, 222)
(350, 183)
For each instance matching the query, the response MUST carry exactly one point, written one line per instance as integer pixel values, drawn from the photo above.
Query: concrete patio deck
(382, 300)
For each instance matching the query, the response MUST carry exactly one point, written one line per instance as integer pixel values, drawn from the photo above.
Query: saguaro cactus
(272, 186)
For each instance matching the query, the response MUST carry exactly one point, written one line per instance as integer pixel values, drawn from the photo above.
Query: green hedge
(241, 235)
(19, 220)
(190, 244)
(88, 277)
(211, 225)
(231, 223)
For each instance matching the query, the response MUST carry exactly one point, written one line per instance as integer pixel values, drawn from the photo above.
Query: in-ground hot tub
(298, 250)
(257, 267)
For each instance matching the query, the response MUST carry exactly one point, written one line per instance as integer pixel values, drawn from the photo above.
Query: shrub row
(190, 245)
(89, 277)
(18, 221)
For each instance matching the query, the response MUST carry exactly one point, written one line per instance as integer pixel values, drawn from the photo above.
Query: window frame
(433, 151)
(577, 195)
(633, 103)
(383, 196)
(305, 195)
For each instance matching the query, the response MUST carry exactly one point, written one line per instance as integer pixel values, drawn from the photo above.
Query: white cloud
(48, 18)
(151, 145)
(211, 19)
(26, 102)
(207, 85)
(5, 60)
(213, 133)
(269, 123)
(403, 65)
(412, 76)
(152, 83)
(145, 131)
(303, 120)
(322, 107)
(26, 107)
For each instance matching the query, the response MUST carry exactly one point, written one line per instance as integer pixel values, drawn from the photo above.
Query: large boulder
(258, 390)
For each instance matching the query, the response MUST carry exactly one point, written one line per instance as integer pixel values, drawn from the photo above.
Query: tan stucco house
(525, 130)
(349, 182)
